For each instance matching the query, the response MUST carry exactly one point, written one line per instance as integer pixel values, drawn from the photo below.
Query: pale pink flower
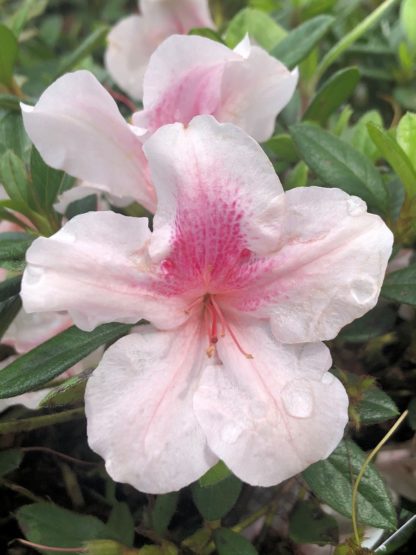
(233, 270)
(189, 76)
(132, 41)
(76, 125)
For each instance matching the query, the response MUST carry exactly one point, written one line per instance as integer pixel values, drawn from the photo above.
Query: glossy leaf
(376, 406)
(214, 475)
(376, 322)
(331, 481)
(228, 542)
(396, 157)
(9, 461)
(9, 288)
(309, 524)
(339, 165)
(8, 55)
(299, 42)
(53, 357)
(9, 309)
(259, 26)
(400, 286)
(163, 511)
(14, 178)
(13, 247)
(214, 502)
(332, 94)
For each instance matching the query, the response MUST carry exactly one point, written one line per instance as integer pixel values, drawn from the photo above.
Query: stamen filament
(227, 327)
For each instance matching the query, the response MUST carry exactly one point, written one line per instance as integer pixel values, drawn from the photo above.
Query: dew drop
(167, 265)
(363, 290)
(297, 399)
(356, 206)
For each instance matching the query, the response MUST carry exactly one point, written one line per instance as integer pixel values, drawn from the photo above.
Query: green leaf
(359, 137)
(339, 165)
(228, 542)
(28, 10)
(408, 20)
(9, 102)
(10, 287)
(282, 148)
(8, 311)
(8, 55)
(81, 206)
(396, 157)
(13, 247)
(163, 511)
(214, 502)
(48, 524)
(309, 524)
(297, 176)
(14, 178)
(9, 461)
(47, 182)
(214, 475)
(331, 480)
(299, 42)
(121, 523)
(332, 94)
(400, 286)
(55, 356)
(260, 27)
(13, 134)
(91, 43)
(38, 422)
(207, 33)
(376, 406)
(376, 322)
(406, 135)
(71, 392)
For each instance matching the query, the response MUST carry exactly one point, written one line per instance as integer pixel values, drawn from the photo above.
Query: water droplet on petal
(327, 378)
(167, 265)
(297, 399)
(356, 206)
(364, 291)
(230, 433)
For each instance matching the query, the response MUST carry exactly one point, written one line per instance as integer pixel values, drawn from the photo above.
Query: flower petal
(329, 268)
(139, 410)
(214, 181)
(185, 14)
(255, 91)
(96, 268)
(76, 126)
(269, 418)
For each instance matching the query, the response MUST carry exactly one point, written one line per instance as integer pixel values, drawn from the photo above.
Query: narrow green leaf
(207, 33)
(38, 422)
(214, 502)
(8, 55)
(376, 406)
(163, 512)
(81, 206)
(48, 524)
(55, 356)
(10, 287)
(400, 286)
(13, 247)
(408, 20)
(228, 542)
(14, 178)
(309, 524)
(91, 43)
(339, 165)
(359, 137)
(71, 392)
(9, 461)
(9, 102)
(332, 94)
(406, 135)
(47, 182)
(121, 523)
(9, 309)
(28, 10)
(259, 26)
(13, 134)
(282, 148)
(299, 42)
(214, 475)
(396, 157)
(331, 480)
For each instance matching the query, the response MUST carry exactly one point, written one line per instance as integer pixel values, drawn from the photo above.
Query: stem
(56, 549)
(351, 37)
(364, 468)
(251, 519)
(57, 454)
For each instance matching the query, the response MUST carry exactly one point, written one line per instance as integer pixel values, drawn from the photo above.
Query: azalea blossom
(132, 41)
(77, 127)
(240, 283)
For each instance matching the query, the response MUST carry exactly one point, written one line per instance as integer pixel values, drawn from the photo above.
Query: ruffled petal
(96, 268)
(139, 410)
(270, 417)
(216, 189)
(183, 14)
(328, 270)
(76, 126)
